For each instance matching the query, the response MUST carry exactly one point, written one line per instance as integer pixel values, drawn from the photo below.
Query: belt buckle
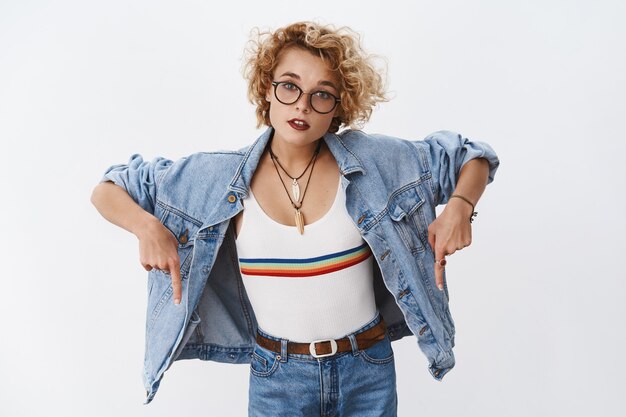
(313, 351)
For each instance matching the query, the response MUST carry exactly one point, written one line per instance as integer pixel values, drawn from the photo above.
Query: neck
(294, 156)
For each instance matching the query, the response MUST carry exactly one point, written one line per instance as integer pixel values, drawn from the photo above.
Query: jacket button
(183, 238)
(422, 330)
(437, 372)
(361, 219)
(232, 198)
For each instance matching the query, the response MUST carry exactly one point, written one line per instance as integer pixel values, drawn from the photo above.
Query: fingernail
(440, 286)
(177, 301)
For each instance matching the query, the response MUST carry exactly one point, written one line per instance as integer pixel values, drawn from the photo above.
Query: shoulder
(208, 162)
(199, 169)
(193, 184)
(386, 146)
(381, 148)
(361, 138)
(356, 137)
(219, 157)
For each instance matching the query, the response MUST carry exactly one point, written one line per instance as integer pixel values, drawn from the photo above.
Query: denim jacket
(392, 187)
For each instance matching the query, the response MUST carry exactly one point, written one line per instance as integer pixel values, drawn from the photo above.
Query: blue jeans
(355, 383)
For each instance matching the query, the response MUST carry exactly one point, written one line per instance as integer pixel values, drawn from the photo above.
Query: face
(299, 123)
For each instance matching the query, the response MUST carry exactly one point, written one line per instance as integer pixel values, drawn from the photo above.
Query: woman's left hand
(451, 231)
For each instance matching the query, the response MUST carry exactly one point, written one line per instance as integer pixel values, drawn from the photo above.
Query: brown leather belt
(327, 347)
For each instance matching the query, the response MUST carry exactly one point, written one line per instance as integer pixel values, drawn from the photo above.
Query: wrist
(459, 206)
(144, 224)
(469, 206)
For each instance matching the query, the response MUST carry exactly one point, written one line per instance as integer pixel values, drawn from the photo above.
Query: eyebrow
(297, 77)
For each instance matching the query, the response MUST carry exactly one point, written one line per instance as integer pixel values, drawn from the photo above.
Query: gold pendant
(299, 221)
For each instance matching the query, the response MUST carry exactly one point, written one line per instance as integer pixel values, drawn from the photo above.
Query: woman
(306, 253)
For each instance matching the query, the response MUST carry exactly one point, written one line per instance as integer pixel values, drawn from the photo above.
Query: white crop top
(317, 285)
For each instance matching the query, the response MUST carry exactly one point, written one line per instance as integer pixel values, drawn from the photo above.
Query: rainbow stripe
(296, 268)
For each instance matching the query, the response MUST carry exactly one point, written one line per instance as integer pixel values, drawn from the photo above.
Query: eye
(289, 86)
(324, 95)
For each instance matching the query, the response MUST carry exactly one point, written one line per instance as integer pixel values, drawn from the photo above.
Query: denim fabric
(359, 383)
(392, 186)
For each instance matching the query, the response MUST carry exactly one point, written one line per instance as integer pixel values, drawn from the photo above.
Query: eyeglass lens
(321, 101)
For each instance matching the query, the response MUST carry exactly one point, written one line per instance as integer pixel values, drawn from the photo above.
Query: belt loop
(354, 344)
(283, 350)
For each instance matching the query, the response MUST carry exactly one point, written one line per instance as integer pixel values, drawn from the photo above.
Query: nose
(304, 102)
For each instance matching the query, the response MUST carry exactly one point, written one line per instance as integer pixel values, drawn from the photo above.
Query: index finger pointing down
(440, 262)
(174, 266)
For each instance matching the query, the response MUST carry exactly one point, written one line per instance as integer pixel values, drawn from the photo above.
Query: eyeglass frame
(276, 83)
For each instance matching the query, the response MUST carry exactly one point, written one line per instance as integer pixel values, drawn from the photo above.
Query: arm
(125, 197)
(451, 230)
(116, 206)
(463, 167)
(471, 185)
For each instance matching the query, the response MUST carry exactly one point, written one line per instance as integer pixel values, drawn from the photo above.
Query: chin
(289, 135)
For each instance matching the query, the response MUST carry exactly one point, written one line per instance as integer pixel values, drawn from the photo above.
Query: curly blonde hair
(361, 83)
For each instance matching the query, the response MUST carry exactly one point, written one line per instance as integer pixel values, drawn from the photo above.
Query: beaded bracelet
(474, 213)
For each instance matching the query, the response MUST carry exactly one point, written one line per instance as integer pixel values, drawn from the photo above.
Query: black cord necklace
(295, 187)
(299, 218)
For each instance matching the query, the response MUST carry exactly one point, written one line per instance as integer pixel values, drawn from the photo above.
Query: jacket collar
(347, 161)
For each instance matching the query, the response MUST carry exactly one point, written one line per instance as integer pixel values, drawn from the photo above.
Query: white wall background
(538, 298)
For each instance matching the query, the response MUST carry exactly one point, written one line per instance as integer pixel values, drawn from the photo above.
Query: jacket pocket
(182, 226)
(184, 229)
(405, 210)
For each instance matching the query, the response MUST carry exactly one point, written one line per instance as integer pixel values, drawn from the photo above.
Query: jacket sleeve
(139, 178)
(447, 153)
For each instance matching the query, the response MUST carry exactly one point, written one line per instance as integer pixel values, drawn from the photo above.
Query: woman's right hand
(158, 249)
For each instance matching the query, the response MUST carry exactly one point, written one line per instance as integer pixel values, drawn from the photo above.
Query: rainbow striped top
(307, 267)
(333, 294)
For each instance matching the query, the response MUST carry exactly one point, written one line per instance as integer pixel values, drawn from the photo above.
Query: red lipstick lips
(298, 124)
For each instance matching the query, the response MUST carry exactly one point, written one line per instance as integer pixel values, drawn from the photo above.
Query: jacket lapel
(238, 188)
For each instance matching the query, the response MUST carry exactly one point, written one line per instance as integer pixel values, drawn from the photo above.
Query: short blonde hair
(361, 83)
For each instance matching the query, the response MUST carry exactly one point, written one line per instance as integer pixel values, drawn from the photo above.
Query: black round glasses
(288, 93)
